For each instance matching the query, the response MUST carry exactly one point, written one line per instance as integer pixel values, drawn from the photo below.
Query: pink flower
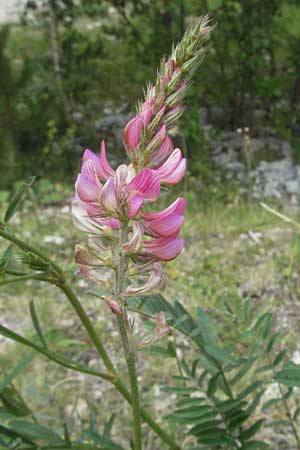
(91, 222)
(134, 246)
(88, 186)
(164, 151)
(154, 284)
(163, 248)
(101, 165)
(135, 126)
(108, 197)
(167, 222)
(144, 186)
(173, 169)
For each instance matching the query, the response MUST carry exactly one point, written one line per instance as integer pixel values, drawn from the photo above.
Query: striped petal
(177, 207)
(164, 248)
(145, 183)
(108, 196)
(101, 165)
(163, 152)
(133, 132)
(173, 169)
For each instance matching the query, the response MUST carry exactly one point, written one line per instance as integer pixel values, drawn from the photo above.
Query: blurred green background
(71, 72)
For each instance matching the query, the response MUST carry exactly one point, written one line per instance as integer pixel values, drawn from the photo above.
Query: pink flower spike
(108, 196)
(173, 169)
(133, 132)
(164, 248)
(146, 183)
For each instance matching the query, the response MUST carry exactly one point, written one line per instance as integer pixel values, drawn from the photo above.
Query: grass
(234, 250)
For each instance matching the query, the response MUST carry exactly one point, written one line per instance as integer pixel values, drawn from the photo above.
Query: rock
(235, 166)
(293, 186)
(52, 239)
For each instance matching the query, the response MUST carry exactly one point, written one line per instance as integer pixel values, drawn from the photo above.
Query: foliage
(220, 390)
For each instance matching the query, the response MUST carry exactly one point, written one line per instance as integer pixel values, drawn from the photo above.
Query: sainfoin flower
(113, 205)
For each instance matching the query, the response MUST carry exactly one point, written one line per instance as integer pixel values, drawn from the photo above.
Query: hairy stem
(126, 336)
(131, 366)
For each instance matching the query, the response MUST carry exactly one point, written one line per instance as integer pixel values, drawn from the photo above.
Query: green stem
(135, 403)
(24, 278)
(126, 336)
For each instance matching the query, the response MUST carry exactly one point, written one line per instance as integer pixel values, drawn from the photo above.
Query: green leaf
(192, 412)
(35, 432)
(4, 260)
(251, 431)
(265, 368)
(243, 370)
(23, 364)
(159, 351)
(171, 349)
(4, 431)
(218, 353)
(255, 402)
(108, 427)
(12, 402)
(184, 390)
(209, 425)
(230, 407)
(192, 421)
(190, 401)
(17, 199)
(185, 367)
(213, 384)
(205, 326)
(36, 324)
(271, 402)
(255, 445)
(250, 389)
(272, 341)
(268, 326)
(279, 358)
(237, 420)
(289, 376)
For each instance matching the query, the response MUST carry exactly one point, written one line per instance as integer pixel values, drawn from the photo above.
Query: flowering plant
(222, 393)
(111, 205)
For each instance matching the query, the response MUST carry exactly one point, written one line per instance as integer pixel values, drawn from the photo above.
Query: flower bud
(154, 284)
(114, 306)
